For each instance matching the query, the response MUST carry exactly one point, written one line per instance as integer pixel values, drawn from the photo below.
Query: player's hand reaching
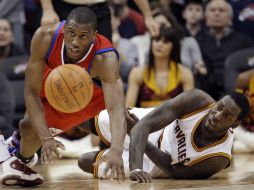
(114, 164)
(140, 176)
(49, 146)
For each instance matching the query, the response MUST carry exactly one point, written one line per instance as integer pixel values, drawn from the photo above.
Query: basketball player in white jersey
(190, 137)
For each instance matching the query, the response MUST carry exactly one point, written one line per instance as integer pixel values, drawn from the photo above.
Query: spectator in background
(100, 8)
(164, 77)
(243, 16)
(127, 50)
(7, 106)
(244, 135)
(132, 22)
(7, 45)
(217, 43)
(193, 15)
(175, 7)
(190, 52)
(55, 10)
(13, 11)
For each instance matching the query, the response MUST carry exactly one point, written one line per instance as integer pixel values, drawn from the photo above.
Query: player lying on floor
(187, 137)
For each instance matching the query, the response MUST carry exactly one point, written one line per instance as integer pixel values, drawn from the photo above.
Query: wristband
(46, 139)
(135, 170)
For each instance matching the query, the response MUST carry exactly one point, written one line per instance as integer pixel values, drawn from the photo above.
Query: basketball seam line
(69, 89)
(53, 94)
(84, 82)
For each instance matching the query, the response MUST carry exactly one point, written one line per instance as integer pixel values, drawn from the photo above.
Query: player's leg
(102, 125)
(16, 172)
(30, 141)
(20, 141)
(24, 142)
(86, 161)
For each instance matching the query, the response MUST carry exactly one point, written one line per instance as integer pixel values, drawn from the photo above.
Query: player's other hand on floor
(114, 164)
(140, 176)
(49, 147)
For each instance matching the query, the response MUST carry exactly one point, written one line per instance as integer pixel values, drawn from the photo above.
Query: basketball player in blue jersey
(190, 137)
(75, 41)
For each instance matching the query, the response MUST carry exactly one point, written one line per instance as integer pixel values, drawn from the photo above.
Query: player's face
(77, 39)
(223, 115)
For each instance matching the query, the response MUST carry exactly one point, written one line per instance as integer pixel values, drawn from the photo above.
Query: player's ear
(236, 124)
(94, 34)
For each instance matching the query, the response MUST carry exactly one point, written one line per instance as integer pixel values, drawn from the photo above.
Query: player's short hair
(243, 103)
(83, 15)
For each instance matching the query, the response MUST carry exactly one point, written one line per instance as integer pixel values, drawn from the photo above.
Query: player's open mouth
(74, 52)
(211, 123)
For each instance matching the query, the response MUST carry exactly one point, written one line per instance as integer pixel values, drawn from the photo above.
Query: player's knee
(26, 129)
(82, 163)
(85, 163)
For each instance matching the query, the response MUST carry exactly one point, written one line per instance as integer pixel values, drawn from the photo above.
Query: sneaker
(15, 173)
(33, 161)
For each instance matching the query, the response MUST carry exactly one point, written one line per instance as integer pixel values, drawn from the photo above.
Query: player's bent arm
(187, 78)
(162, 116)
(107, 69)
(33, 82)
(201, 170)
(134, 82)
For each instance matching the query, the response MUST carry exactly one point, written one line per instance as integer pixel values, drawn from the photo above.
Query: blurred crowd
(201, 44)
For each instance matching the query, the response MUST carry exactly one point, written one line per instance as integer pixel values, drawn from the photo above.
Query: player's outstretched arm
(33, 82)
(160, 117)
(106, 68)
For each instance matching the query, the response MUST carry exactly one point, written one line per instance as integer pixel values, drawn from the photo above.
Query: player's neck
(68, 59)
(206, 137)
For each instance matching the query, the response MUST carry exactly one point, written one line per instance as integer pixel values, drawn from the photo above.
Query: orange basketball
(69, 88)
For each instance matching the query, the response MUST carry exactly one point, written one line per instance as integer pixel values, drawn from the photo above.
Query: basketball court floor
(65, 175)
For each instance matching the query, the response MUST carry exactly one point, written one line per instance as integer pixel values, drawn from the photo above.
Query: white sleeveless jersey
(177, 140)
(102, 126)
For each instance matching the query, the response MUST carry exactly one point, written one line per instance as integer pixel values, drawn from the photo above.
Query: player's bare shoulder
(104, 63)
(187, 102)
(109, 56)
(42, 39)
(197, 98)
